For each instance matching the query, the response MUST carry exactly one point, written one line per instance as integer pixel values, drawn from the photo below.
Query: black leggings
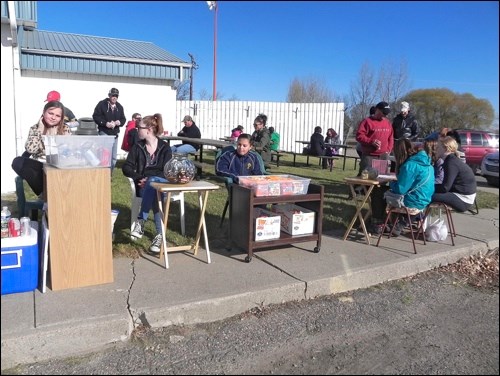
(30, 170)
(452, 200)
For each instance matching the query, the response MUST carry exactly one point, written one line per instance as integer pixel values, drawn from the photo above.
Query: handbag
(394, 199)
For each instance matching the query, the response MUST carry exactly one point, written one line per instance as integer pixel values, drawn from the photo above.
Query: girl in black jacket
(144, 164)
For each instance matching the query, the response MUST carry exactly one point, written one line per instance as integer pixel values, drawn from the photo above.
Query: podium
(78, 212)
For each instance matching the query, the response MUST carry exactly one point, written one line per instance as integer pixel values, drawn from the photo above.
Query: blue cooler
(20, 262)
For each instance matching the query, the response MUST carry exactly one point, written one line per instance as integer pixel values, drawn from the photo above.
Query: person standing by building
(109, 117)
(404, 124)
(190, 130)
(130, 136)
(261, 139)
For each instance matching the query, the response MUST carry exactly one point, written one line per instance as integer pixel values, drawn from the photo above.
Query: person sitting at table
(332, 138)
(275, 139)
(430, 147)
(261, 139)
(189, 130)
(29, 165)
(242, 161)
(415, 180)
(317, 146)
(144, 164)
(236, 132)
(459, 186)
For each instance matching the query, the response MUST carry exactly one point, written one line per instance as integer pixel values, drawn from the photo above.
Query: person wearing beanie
(110, 117)
(404, 124)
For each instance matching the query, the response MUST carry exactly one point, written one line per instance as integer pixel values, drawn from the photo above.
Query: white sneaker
(137, 229)
(156, 244)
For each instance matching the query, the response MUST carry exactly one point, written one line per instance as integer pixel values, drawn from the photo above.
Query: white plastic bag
(436, 231)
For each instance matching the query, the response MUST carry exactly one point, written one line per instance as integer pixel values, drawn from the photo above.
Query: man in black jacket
(404, 124)
(109, 117)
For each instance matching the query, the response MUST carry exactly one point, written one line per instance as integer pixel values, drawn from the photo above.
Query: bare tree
(182, 90)
(205, 96)
(369, 89)
(309, 90)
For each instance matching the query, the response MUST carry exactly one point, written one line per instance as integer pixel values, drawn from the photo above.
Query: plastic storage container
(275, 185)
(79, 151)
(20, 262)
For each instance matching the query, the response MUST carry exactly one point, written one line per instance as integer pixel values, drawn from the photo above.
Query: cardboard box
(267, 225)
(295, 220)
(79, 151)
(20, 262)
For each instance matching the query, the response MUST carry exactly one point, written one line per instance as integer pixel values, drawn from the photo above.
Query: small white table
(202, 188)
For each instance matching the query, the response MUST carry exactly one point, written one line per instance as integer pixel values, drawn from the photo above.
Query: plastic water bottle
(5, 221)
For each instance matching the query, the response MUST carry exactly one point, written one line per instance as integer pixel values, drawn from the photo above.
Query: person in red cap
(69, 116)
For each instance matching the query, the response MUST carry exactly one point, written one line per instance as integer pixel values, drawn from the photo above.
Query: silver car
(489, 168)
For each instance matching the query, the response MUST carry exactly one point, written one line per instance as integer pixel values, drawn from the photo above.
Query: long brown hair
(403, 149)
(154, 122)
(61, 127)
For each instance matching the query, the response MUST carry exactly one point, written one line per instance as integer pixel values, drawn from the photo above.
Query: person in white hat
(404, 124)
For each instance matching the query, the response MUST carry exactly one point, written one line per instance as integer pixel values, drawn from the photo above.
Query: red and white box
(267, 225)
(295, 220)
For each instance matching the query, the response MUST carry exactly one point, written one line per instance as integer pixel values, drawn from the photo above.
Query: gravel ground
(444, 321)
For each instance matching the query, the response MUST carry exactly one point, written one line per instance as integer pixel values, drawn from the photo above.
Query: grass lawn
(337, 209)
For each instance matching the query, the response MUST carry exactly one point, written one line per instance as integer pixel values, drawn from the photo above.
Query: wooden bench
(276, 154)
(199, 168)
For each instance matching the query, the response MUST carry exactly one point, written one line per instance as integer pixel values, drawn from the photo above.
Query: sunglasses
(138, 127)
(115, 96)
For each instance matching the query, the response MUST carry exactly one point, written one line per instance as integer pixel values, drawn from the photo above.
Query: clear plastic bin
(275, 185)
(79, 151)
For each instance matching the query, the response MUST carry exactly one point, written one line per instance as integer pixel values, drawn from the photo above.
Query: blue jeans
(183, 148)
(114, 152)
(149, 201)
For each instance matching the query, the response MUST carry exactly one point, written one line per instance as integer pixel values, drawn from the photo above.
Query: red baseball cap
(53, 96)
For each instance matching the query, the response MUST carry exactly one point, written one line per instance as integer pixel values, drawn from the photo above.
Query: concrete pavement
(38, 326)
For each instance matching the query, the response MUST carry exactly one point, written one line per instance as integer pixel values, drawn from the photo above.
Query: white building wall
(80, 94)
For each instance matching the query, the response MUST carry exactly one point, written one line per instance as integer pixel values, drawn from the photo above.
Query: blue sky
(263, 45)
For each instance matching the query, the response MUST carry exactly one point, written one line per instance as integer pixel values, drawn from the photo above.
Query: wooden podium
(79, 220)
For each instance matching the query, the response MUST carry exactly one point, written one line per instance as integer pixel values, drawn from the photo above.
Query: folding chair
(25, 207)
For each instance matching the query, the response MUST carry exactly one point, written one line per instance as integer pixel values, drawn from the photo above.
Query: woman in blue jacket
(415, 179)
(240, 162)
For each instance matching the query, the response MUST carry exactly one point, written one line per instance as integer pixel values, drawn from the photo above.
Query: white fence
(293, 121)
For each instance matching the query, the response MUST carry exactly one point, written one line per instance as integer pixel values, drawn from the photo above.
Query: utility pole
(212, 5)
(191, 84)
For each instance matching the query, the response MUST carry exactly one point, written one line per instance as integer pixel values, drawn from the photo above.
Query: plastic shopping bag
(436, 231)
